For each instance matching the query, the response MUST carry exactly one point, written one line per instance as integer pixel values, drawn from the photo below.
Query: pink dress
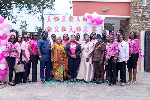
(86, 70)
(64, 42)
(24, 46)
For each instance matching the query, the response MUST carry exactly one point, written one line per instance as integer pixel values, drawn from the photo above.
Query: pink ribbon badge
(49, 20)
(56, 29)
(101, 29)
(71, 29)
(78, 19)
(63, 20)
(85, 29)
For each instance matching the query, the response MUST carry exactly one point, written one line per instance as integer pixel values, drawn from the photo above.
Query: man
(104, 36)
(78, 39)
(25, 57)
(43, 47)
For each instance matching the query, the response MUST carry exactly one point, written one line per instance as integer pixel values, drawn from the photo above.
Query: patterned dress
(60, 64)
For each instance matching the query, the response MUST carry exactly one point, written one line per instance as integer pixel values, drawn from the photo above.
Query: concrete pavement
(38, 91)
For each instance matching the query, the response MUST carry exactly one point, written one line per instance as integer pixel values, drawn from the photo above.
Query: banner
(61, 24)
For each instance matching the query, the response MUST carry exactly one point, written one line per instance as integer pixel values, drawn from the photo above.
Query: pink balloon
(3, 61)
(99, 21)
(1, 26)
(93, 20)
(3, 37)
(3, 42)
(1, 57)
(3, 53)
(89, 16)
(3, 72)
(1, 19)
(5, 24)
(1, 78)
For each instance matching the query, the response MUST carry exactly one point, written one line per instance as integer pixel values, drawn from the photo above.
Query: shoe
(12, 84)
(43, 81)
(109, 83)
(101, 81)
(122, 84)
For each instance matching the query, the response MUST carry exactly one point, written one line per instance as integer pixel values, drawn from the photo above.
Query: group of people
(86, 60)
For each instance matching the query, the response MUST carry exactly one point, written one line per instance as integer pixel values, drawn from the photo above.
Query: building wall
(140, 18)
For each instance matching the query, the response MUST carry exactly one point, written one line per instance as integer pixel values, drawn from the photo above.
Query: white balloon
(3, 48)
(0, 51)
(86, 15)
(2, 66)
(1, 32)
(5, 30)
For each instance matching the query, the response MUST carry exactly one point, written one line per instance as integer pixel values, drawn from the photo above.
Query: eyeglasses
(35, 35)
(12, 38)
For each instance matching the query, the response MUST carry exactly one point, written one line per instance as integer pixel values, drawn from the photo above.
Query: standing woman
(111, 57)
(18, 76)
(11, 55)
(86, 70)
(34, 56)
(93, 38)
(59, 59)
(123, 58)
(73, 50)
(134, 45)
(65, 39)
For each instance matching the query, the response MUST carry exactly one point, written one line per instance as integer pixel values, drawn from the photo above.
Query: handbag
(19, 68)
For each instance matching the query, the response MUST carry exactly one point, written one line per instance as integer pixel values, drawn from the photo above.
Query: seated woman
(59, 59)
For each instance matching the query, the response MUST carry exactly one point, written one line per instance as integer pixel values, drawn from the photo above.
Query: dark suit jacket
(77, 52)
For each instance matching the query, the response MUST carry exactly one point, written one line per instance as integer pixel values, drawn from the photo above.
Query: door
(147, 52)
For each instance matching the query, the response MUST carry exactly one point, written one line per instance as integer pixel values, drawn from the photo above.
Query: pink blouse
(112, 49)
(11, 46)
(64, 42)
(134, 46)
(33, 45)
(73, 48)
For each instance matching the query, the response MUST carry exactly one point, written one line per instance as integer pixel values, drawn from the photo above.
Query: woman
(32, 47)
(11, 55)
(111, 57)
(105, 62)
(86, 70)
(18, 76)
(73, 50)
(25, 57)
(123, 58)
(93, 38)
(59, 59)
(134, 45)
(65, 39)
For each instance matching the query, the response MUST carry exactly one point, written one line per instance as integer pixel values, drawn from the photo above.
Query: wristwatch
(40, 56)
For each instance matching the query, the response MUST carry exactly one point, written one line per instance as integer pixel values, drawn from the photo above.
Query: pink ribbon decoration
(78, 19)
(74, 32)
(71, 29)
(101, 29)
(63, 20)
(141, 55)
(49, 38)
(49, 20)
(56, 29)
(85, 29)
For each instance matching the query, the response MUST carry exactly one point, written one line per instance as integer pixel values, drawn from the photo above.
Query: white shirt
(123, 51)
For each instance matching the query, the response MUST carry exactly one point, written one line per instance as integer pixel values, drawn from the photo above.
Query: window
(144, 2)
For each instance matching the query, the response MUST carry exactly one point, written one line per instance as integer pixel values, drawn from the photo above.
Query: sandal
(119, 83)
(129, 82)
(122, 84)
(13, 84)
(133, 82)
